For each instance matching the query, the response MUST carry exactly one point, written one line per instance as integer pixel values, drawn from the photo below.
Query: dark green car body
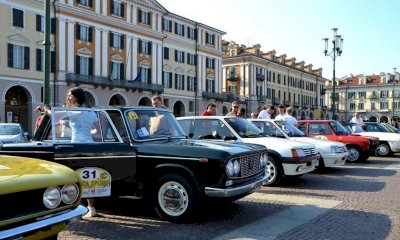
(136, 158)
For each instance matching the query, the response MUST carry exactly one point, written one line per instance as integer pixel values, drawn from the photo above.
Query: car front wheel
(383, 150)
(273, 172)
(354, 154)
(174, 198)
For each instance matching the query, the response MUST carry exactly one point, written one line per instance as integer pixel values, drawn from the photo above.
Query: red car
(359, 147)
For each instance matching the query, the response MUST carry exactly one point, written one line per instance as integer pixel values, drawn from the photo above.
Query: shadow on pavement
(131, 222)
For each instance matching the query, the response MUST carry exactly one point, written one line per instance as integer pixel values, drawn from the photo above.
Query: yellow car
(37, 198)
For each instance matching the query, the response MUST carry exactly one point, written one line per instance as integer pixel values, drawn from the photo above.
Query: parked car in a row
(143, 152)
(360, 147)
(37, 198)
(332, 153)
(286, 158)
(12, 132)
(389, 142)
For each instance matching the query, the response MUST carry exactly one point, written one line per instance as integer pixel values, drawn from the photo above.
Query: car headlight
(298, 152)
(52, 197)
(69, 193)
(236, 167)
(335, 149)
(232, 168)
(263, 160)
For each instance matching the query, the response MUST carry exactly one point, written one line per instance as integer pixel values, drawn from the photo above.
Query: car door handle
(59, 147)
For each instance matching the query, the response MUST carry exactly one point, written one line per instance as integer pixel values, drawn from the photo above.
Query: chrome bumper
(67, 216)
(237, 190)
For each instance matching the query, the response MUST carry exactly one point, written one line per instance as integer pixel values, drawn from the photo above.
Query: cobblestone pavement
(370, 209)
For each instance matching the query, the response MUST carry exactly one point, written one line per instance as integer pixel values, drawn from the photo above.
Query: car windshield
(152, 124)
(338, 128)
(9, 130)
(355, 128)
(244, 128)
(289, 129)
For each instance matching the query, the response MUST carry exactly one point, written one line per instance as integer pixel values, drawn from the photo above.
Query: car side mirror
(190, 135)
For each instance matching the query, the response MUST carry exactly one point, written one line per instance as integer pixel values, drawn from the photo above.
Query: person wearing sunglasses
(234, 109)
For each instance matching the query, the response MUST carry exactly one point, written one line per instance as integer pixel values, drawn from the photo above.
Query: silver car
(12, 132)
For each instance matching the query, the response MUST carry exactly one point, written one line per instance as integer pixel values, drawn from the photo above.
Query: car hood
(21, 174)
(277, 143)
(317, 142)
(198, 148)
(385, 136)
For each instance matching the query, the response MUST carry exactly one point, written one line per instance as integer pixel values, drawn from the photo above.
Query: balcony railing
(261, 98)
(286, 103)
(231, 97)
(232, 77)
(111, 84)
(296, 104)
(260, 77)
(217, 96)
(396, 96)
(304, 105)
(276, 101)
(373, 97)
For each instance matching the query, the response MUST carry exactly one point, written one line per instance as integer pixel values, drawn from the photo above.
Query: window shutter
(188, 30)
(121, 71)
(90, 67)
(170, 79)
(213, 86)
(183, 57)
(183, 30)
(122, 41)
(213, 39)
(188, 58)
(195, 34)
(52, 25)
(176, 81)
(166, 53)
(111, 39)
(148, 18)
(176, 28)
(39, 60)
(52, 61)
(176, 55)
(139, 16)
(195, 84)
(163, 24)
(90, 3)
(140, 46)
(207, 38)
(149, 74)
(183, 82)
(111, 6)
(38, 23)
(26, 57)
(187, 82)
(170, 26)
(90, 34)
(78, 31)
(10, 54)
(122, 10)
(149, 47)
(163, 78)
(78, 65)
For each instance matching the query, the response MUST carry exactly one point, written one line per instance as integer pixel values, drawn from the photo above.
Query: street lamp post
(336, 51)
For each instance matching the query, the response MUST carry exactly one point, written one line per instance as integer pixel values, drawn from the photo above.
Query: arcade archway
(179, 109)
(16, 107)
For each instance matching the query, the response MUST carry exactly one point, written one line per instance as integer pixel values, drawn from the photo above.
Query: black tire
(354, 154)
(383, 150)
(174, 198)
(321, 166)
(274, 171)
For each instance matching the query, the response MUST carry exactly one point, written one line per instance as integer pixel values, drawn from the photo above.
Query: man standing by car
(234, 109)
(266, 113)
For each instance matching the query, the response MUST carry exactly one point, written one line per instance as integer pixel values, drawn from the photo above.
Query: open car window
(67, 126)
(152, 124)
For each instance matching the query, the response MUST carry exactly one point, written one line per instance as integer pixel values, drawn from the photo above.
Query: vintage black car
(143, 152)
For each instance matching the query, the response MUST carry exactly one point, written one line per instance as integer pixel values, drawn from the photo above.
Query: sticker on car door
(96, 182)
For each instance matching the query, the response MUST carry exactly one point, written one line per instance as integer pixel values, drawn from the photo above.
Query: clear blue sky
(370, 28)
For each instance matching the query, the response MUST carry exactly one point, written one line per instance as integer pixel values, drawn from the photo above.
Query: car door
(105, 159)
(321, 131)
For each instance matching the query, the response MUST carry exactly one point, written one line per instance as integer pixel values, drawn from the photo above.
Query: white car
(285, 157)
(389, 142)
(332, 153)
(12, 133)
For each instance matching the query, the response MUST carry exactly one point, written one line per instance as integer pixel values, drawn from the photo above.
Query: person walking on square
(211, 110)
(266, 113)
(234, 109)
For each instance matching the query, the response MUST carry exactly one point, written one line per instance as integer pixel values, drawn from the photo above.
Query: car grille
(249, 165)
(310, 151)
